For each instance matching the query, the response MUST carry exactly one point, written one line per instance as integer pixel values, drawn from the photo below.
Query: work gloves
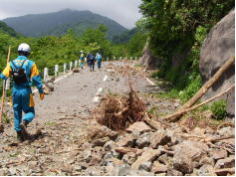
(41, 96)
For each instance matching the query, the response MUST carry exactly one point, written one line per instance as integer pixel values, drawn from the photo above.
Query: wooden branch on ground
(125, 150)
(174, 117)
(209, 83)
(203, 90)
(218, 139)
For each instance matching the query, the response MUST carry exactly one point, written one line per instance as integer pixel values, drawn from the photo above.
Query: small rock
(67, 168)
(148, 155)
(139, 173)
(100, 141)
(122, 170)
(12, 171)
(129, 158)
(109, 145)
(2, 172)
(199, 131)
(225, 171)
(165, 159)
(225, 163)
(157, 167)
(176, 105)
(126, 141)
(143, 140)
(218, 154)
(159, 138)
(138, 126)
(173, 172)
(146, 166)
(226, 131)
(207, 160)
(207, 114)
(206, 170)
(87, 155)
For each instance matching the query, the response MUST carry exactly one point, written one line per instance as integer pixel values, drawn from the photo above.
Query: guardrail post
(64, 68)
(56, 70)
(45, 74)
(71, 65)
(76, 64)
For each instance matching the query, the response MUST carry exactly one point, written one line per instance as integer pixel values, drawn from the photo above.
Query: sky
(125, 12)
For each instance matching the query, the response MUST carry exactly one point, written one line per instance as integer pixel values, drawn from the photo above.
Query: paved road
(75, 95)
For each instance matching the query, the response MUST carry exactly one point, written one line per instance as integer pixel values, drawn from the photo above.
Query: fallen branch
(125, 150)
(219, 139)
(209, 83)
(175, 116)
(203, 90)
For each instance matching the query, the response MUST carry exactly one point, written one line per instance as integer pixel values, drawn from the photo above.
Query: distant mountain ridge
(8, 30)
(57, 23)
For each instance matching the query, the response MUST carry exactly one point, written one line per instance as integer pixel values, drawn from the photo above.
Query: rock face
(218, 47)
(148, 60)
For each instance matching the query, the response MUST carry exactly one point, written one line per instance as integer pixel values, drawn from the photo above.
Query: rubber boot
(24, 130)
(20, 136)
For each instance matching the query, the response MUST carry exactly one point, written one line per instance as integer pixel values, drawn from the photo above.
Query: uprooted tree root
(117, 113)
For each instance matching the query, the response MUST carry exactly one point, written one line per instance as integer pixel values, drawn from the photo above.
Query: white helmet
(24, 48)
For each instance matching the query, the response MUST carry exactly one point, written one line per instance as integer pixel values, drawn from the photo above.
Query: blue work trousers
(21, 103)
(99, 63)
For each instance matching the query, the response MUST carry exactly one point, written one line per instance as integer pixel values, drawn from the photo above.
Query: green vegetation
(218, 109)
(177, 29)
(50, 50)
(7, 29)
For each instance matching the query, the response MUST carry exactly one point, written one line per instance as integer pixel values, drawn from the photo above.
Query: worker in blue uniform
(81, 59)
(99, 60)
(25, 74)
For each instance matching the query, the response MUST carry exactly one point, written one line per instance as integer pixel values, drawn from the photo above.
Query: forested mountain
(125, 36)
(8, 30)
(57, 23)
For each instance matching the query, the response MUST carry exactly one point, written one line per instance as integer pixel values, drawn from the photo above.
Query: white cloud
(125, 12)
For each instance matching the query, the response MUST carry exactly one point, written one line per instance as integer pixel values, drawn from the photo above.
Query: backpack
(19, 74)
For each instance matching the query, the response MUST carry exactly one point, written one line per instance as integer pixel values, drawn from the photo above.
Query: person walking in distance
(25, 74)
(99, 60)
(81, 59)
(91, 61)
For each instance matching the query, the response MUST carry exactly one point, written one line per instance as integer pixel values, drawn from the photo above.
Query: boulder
(148, 60)
(217, 48)
(187, 154)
